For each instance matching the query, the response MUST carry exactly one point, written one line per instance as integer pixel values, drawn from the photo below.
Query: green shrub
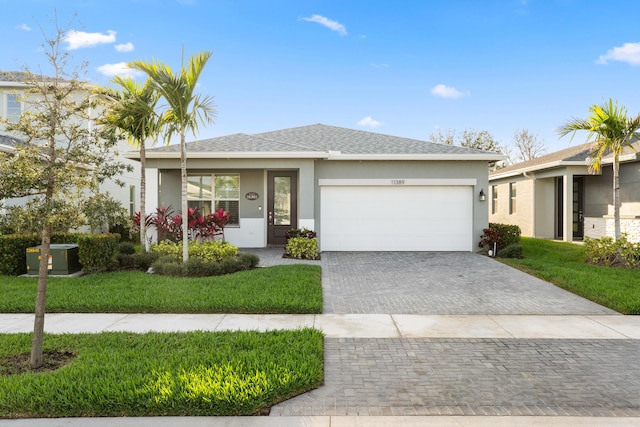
(212, 251)
(511, 251)
(144, 260)
(168, 248)
(502, 235)
(605, 251)
(97, 251)
(195, 267)
(13, 252)
(302, 248)
(126, 248)
(301, 232)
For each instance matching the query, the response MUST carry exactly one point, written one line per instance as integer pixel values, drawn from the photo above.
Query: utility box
(63, 260)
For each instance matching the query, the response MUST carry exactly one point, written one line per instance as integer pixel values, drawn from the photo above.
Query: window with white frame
(199, 193)
(494, 199)
(512, 197)
(14, 107)
(227, 195)
(212, 192)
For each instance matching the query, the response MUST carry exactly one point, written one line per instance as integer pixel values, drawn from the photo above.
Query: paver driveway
(439, 283)
(450, 376)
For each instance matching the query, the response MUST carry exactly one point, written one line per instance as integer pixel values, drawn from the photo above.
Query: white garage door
(396, 218)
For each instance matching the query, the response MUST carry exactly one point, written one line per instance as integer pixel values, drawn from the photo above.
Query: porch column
(567, 211)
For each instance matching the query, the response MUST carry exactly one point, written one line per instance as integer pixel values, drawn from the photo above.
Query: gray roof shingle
(322, 138)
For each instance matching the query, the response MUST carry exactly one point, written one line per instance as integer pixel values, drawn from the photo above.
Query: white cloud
(330, 24)
(628, 52)
(124, 47)
(77, 39)
(379, 65)
(119, 69)
(447, 91)
(23, 27)
(370, 123)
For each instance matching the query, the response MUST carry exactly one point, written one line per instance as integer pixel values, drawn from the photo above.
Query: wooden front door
(282, 205)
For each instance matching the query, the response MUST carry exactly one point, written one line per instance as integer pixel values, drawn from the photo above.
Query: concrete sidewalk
(346, 325)
(332, 421)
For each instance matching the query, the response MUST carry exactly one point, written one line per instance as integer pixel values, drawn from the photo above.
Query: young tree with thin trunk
(60, 155)
(610, 130)
(184, 112)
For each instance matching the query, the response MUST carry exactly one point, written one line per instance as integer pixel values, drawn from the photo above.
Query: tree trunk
(143, 194)
(37, 358)
(616, 197)
(185, 206)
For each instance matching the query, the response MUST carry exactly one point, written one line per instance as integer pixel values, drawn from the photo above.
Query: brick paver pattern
(475, 377)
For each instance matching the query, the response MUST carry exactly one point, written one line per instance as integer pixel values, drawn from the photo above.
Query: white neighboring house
(12, 89)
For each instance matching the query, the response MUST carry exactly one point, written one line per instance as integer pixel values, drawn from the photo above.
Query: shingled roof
(324, 141)
(572, 156)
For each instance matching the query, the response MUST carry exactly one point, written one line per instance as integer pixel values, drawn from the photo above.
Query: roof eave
(229, 155)
(550, 165)
(467, 157)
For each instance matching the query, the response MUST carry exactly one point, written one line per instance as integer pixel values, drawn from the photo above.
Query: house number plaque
(251, 196)
(397, 182)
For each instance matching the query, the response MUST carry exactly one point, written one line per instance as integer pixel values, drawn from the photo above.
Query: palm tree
(611, 131)
(133, 114)
(184, 112)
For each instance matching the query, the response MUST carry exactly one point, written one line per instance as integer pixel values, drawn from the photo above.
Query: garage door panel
(396, 218)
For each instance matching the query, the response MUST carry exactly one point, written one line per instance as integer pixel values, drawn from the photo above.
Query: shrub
(302, 248)
(143, 261)
(13, 252)
(209, 251)
(196, 267)
(126, 248)
(605, 251)
(97, 251)
(301, 232)
(213, 251)
(502, 235)
(511, 251)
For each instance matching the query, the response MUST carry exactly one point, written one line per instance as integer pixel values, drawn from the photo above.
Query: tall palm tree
(611, 131)
(133, 114)
(184, 112)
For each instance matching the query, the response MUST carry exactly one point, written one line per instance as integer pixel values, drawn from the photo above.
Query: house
(555, 196)
(12, 89)
(360, 191)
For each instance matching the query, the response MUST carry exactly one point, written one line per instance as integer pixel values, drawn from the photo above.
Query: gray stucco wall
(599, 194)
(412, 170)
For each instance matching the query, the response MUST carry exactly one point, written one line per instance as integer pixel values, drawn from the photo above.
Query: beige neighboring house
(12, 89)
(555, 196)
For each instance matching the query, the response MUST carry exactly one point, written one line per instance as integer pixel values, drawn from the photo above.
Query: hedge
(96, 251)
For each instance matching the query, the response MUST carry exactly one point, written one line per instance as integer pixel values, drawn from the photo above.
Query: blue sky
(406, 67)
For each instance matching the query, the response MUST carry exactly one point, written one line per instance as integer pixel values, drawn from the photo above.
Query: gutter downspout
(533, 202)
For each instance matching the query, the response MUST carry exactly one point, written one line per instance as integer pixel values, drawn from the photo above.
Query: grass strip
(279, 289)
(179, 374)
(563, 264)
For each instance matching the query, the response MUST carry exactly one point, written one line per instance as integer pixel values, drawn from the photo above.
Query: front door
(578, 207)
(282, 202)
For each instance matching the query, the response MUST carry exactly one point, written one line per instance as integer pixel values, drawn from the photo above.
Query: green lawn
(195, 373)
(279, 289)
(563, 265)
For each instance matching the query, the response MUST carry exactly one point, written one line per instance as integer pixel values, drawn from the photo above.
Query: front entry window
(199, 193)
(282, 200)
(227, 195)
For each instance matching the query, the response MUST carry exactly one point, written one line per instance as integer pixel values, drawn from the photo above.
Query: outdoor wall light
(482, 196)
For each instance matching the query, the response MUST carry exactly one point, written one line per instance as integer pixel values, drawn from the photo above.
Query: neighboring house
(360, 191)
(12, 89)
(555, 196)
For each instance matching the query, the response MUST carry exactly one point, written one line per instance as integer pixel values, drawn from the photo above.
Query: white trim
(536, 168)
(333, 155)
(398, 182)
